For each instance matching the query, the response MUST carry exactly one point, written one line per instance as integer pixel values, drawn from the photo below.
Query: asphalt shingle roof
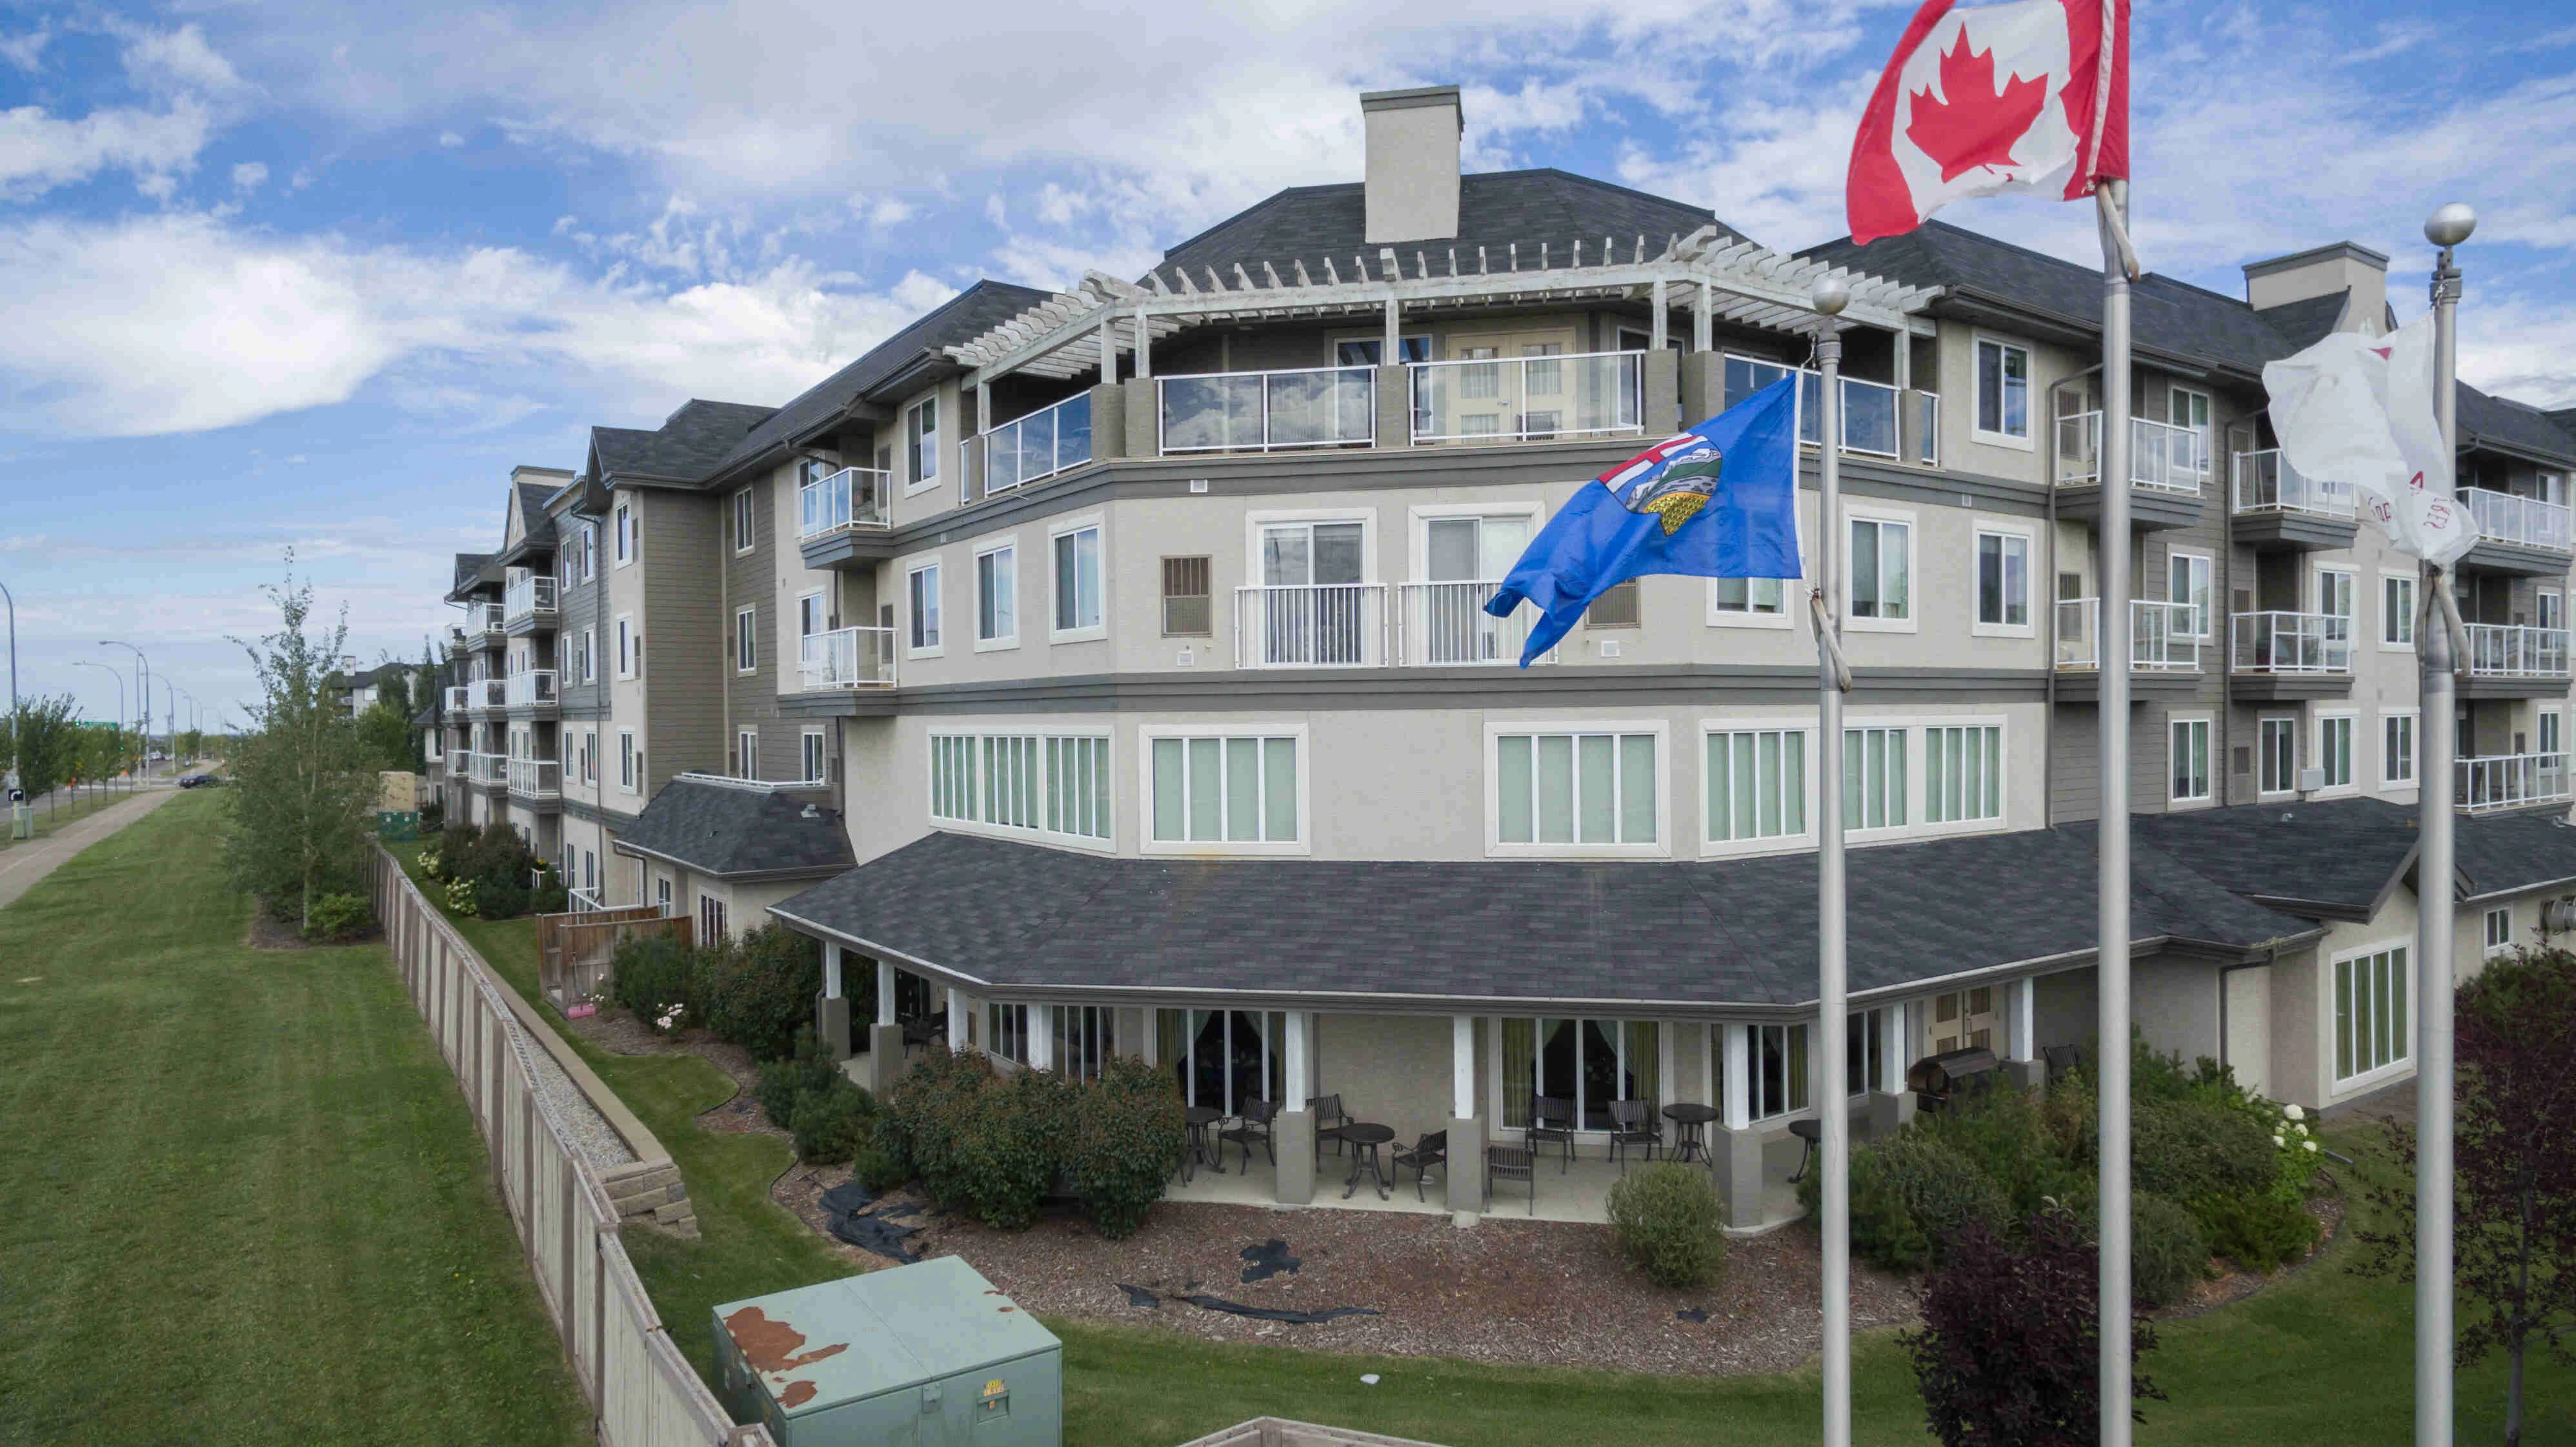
(725, 829)
(537, 526)
(1495, 210)
(2341, 852)
(2305, 323)
(687, 446)
(474, 570)
(1738, 932)
(2503, 422)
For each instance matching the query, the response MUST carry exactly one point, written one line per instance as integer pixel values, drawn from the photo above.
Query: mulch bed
(2235, 1286)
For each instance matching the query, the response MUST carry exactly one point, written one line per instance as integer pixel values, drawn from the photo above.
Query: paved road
(24, 863)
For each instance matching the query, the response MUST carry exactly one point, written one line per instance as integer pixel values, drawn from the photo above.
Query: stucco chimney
(1412, 187)
(2344, 267)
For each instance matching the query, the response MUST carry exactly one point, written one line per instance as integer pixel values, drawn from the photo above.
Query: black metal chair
(1431, 1150)
(1513, 1163)
(1551, 1121)
(1633, 1123)
(1329, 1120)
(1252, 1125)
(2061, 1060)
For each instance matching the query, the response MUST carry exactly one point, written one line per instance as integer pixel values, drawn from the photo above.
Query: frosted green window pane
(1892, 741)
(1597, 788)
(2343, 1019)
(1207, 789)
(2398, 1043)
(1096, 775)
(1637, 788)
(1556, 789)
(1058, 764)
(1855, 769)
(1279, 788)
(1168, 790)
(1995, 769)
(1719, 808)
(1793, 783)
(1512, 789)
(1757, 808)
(1242, 789)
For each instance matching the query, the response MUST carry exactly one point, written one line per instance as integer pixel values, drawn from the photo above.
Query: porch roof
(2341, 858)
(1732, 935)
(739, 829)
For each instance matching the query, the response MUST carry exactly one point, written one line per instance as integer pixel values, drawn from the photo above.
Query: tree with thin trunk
(2514, 1157)
(304, 789)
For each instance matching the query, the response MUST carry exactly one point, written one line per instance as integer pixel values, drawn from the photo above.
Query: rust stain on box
(770, 1348)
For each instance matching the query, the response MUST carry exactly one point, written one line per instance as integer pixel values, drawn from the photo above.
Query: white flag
(2359, 410)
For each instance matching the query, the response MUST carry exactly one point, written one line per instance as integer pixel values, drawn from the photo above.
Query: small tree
(304, 796)
(45, 742)
(2009, 1354)
(2514, 1158)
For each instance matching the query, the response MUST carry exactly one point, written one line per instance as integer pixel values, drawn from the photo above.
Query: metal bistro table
(1364, 1137)
(1691, 1124)
(1198, 1118)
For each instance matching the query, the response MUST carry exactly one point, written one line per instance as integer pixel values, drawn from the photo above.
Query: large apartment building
(1108, 670)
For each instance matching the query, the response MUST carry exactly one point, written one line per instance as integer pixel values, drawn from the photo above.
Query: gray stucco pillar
(1294, 1137)
(885, 1057)
(1889, 1112)
(1703, 386)
(1108, 420)
(1464, 1176)
(1144, 435)
(1663, 392)
(1394, 406)
(832, 1025)
(1735, 1159)
(2027, 1074)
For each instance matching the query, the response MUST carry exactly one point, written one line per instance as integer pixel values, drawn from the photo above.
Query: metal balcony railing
(487, 693)
(2513, 650)
(853, 499)
(532, 689)
(484, 618)
(2291, 643)
(2511, 781)
(2162, 636)
(527, 597)
(534, 778)
(1310, 625)
(1446, 623)
(2506, 517)
(1871, 410)
(1267, 411)
(457, 698)
(2266, 482)
(1528, 399)
(486, 768)
(584, 901)
(1041, 444)
(2161, 455)
(848, 658)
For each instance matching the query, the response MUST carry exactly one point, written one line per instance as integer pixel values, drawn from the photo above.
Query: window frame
(2493, 945)
(1252, 728)
(2032, 393)
(746, 640)
(2204, 614)
(746, 753)
(1881, 517)
(910, 451)
(2264, 725)
(630, 774)
(2549, 608)
(589, 654)
(937, 647)
(2413, 583)
(1007, 543)
(1806, 725)
(2413, 715)
(2402, 1033)
(1660, 848)
(1786, 618)
(624, 625)
(2323, 721)
(1094, 524)
(1979, 531)
(813, 748)
(2207, 725)
(746, 528)
(623, 535)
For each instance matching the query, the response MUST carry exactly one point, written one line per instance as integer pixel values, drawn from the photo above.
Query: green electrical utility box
(926, 1355)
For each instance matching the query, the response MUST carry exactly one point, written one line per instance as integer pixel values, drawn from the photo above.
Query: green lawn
(47, 820)
(240, 1198)
(2322, 1360)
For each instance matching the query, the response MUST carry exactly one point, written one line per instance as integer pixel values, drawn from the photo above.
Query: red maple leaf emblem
(1977, 125)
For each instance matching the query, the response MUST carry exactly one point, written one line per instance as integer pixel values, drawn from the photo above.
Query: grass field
(240, 1198)
(45, 820)
(2323, 1359)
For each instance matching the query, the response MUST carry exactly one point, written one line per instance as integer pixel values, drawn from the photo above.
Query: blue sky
(317, 276)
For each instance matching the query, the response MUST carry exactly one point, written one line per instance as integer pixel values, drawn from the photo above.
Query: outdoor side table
(1364, 1137)
(1690, 1124)
(1198, 1118)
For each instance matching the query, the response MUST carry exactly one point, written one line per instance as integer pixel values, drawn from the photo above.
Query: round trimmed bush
(650, 975)
(2189, 1149)
(761, 991)
(833, 1121)
(2167, 1252)
(2258, 1230)
(1127, 1139)
(1667, 1219)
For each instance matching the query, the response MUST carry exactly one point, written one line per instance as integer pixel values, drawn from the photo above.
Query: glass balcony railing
(1878, 420)
(2511, 781)
(2266, 482)
(534, 778)
(486, 768)
(2513, 650)
(1446, 623)
(1268, 411)
(488, 693)
(1310, 625)
(2291, 643)
(1528, 399)
(1041, 444)
(2161, 455)
(484, 618)
(530, 690)
(527, 597)
(2163, 637)
(2506, 517)
(848, 658)
(853, 498)
(457, 698)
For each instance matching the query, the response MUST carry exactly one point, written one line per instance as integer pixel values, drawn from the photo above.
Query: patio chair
(1551, 1120)
(1329, 1120)
(1254, 1125)
(1431, 1150)
(2061, 1059)
(1633, 1123)
(1513, 1163)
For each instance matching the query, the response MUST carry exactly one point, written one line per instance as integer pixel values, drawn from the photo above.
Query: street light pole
(120, 690)
(1832, 975)
(14, 719)
(142, 698)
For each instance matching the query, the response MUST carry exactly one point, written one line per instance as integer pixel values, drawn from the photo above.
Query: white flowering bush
(2300, 1155)
(460, 896)
(429, 863)
(669, 1019)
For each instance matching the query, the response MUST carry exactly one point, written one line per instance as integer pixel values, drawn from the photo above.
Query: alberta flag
(1718, 501)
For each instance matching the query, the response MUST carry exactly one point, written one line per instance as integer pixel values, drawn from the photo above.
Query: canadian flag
(2358, 410)
(2030, 96)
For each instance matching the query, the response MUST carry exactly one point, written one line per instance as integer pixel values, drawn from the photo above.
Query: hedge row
(756, 991)
(996, 1145)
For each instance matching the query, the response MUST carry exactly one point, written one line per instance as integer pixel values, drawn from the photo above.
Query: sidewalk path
(24, 863)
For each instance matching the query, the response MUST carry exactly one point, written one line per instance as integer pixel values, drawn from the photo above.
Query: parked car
(199, 781)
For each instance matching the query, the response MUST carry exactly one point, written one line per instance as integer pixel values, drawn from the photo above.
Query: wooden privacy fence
(574, 950)
(641, 1388)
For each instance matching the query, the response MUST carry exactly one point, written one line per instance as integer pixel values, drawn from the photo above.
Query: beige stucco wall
(1391, 1069)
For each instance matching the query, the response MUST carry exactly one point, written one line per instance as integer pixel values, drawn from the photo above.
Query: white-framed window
(1365, 351)
(2499, 931)
(2190, 409)
(1963, 773)
(2334, 749)
(1074, 569)
(2551, 732)
(1878, 576)
(1006, 1031)
(746, 753)
(1056, 784)
(590, 869)
(624, 520)
(2338, 599)
(810, 750)
(1224, 789)
(2003, 393)
(1588, 1063)
(1776, 1070)
(2003, 582)
(2188, 580)
(997, 596)
(2552, 605)
(2276, 749)
(2397, 611)
(629, 762)
(743, 530)
(1574, 788)
(590, 757)
(2187, 761)
(589, 551)
(1085, 1036)
(1874, 791)
(921, 443)
(1077, 785)
(2397, 747)
(813, 620)
(590, 655)
(746, 639)
(626, 660)
(1756, 602)
(711, 919)
(1865, 1039)
(921, 598)
(1757, 788)
(2372, 989)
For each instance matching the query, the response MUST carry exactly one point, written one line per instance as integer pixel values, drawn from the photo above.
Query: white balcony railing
(1529, 399)
(534, 778)
(584, 901)
(2291, 643)
(2161, 455)
(853, 499)
(1041, 444)
(2506, 517)
(484, 618)
(528, 596)
(1312, 625)
(848, 658)
(1445, 623)
(2162, 637)
(532, 689)
(457, 698)
(486, 768)
(2511, 781)
(488, 693)
(2266, 482)
(1267, 411)
(2513, 650)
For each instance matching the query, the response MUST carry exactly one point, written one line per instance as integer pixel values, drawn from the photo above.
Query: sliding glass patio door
(1223, 1058)
(1590, 1062)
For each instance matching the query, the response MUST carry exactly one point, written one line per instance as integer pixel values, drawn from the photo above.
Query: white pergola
(1717, 277)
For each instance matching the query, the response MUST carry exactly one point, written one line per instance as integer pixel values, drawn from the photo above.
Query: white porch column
(831, 970)
(2020, 997)
(1392, 354)
(1892, 1026)
(1462, 1066)
(1701, 329)
(1294, 1069)
(1108, 350)
(1738, 1088)
(1144, 345)
(1042, 1037)
(1152, 1053)
(1655, 333)
(885, 992)
(1293, 1132)
(960, 1011)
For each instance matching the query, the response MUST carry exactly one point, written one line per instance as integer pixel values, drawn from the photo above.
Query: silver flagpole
(1832, 983)
(2113, 828)
(2447, 228)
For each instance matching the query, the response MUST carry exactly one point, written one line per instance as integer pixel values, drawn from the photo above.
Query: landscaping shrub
(2167, 1252)
(499, 899)
(1667, 1219)
(653, 974)
(1882, 1230)
(550, 897)
(876, 1169)
(761, 990)
(2257, 1229)
(1943, 1190)
(1009, 1147)
(2008, 1352)
(460, 896)
(336, 917)
(455, 846)
(2190, 1148)
(831, 1122)
(2008, 1136)
(1127, 1139)
(924, 1115)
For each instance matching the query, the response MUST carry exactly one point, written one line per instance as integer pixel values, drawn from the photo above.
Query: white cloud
(450, 139)
(39, 152)
(249, 176)
(175, 60)
(26, 51)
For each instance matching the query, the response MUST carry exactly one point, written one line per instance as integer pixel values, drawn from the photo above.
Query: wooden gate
(575, 951)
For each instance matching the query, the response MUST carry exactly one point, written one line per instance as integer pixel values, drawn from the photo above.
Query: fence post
(528, 1176)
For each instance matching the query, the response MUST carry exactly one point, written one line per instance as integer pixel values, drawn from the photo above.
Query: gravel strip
(589, 1130)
